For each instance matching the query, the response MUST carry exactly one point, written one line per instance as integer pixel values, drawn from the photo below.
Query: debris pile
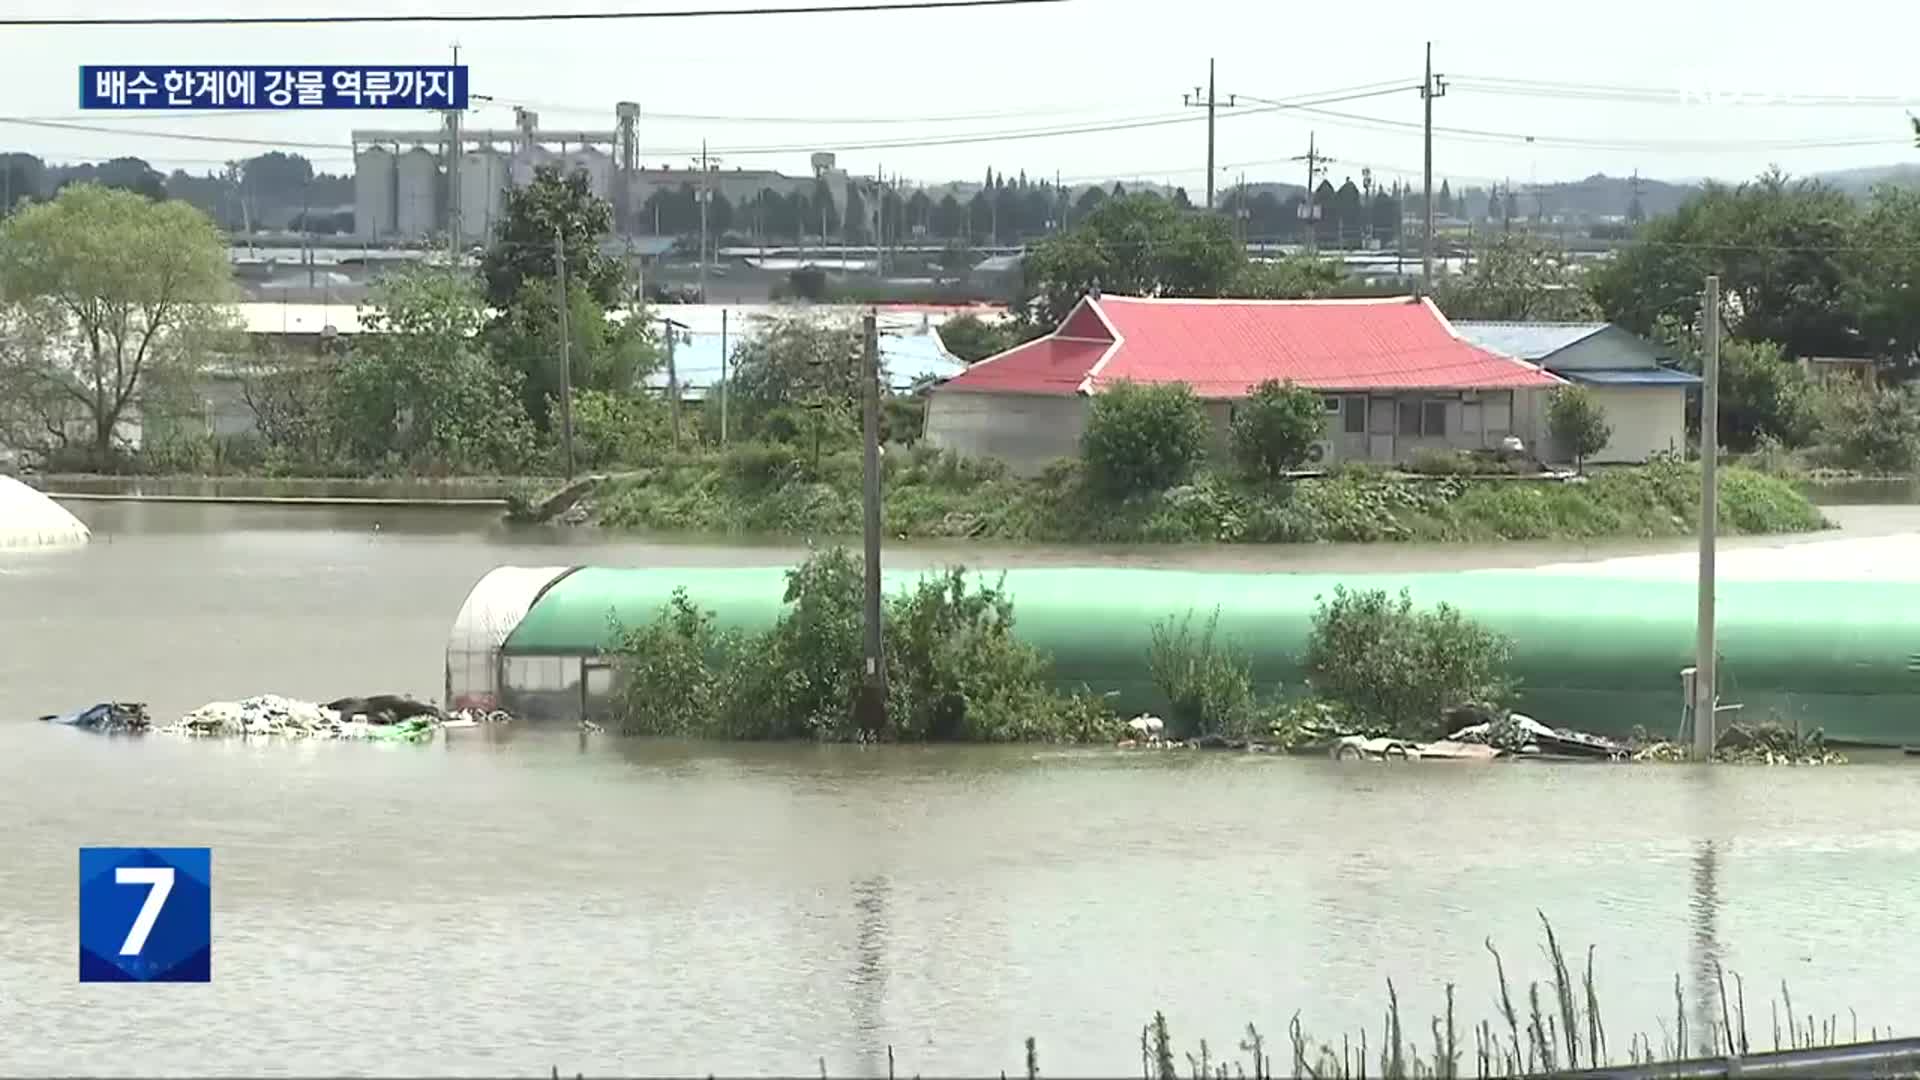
(273, 715)
(1518, 733)
(1765, 743)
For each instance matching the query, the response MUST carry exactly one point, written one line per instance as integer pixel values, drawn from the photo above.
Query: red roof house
(1396, 375)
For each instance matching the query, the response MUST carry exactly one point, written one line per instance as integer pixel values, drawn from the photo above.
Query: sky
(1536, 93)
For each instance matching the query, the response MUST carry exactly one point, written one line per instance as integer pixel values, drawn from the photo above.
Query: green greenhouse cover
(1606, 652)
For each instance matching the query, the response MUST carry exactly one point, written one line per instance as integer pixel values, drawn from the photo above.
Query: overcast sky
(774, 82)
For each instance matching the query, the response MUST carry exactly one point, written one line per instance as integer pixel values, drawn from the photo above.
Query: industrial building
(411, 185)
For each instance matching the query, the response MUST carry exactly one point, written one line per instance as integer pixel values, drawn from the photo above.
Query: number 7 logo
(160, 882)
(146, 914)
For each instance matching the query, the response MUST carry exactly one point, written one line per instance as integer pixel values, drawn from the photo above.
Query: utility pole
(566, 356)
(705, 196)
(870, 713)
(1211, 103)
(1316, 167)
(1430, 87)
(1705, 662)
(723, 376)
(673, 379)
(453, 177)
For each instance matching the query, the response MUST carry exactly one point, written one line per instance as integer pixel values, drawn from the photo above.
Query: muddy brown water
(507, 902)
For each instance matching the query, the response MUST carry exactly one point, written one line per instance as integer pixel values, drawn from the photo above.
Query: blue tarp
(907, 358)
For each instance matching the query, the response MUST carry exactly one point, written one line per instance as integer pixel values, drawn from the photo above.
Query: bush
(955, 671)
(1209, 690)
(617, 429)
(1394, 666)
(1276, 427)
(1144, 438)
(1761, 393)
(1871, 430)
(972, 338)
(1578, 423)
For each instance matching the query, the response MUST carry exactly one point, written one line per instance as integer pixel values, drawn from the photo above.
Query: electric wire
(509, 17)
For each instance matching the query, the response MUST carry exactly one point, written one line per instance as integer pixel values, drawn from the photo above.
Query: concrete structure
(483, 193)
(416, 209)
(373, 188)
(1396, 378)
(1645, 400)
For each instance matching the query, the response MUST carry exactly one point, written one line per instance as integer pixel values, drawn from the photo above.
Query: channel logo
(146, 914)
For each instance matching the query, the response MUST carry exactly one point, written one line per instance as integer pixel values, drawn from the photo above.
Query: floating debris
(1765, 743)
(108, 717)
(269, 715)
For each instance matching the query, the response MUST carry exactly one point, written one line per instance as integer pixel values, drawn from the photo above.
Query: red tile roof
(1224, 348)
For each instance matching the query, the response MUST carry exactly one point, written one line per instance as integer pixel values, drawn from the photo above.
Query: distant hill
(1863, 180)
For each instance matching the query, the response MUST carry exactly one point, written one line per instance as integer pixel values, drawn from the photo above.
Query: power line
(183, 136)
(1649, 95)
(816, 121)
(518, 17)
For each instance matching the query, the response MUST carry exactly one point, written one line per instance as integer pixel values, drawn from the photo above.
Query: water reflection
(1706, 958)
(869, 978)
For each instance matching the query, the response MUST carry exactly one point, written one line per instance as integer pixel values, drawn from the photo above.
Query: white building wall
(1027, 431)
(1646, 420)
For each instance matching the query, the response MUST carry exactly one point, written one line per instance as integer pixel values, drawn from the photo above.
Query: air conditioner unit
(1319, 453)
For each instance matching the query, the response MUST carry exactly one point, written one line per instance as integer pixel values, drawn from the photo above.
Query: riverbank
(929, 495)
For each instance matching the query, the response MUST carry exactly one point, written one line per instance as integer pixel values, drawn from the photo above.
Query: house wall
(1645, 419)
(1612, 348)
(1027, 431)
(1369, 426)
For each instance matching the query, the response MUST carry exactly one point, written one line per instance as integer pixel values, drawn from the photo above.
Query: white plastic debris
(270, 715)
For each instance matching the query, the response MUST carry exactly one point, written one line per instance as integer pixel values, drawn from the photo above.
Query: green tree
(103, 292)
(1516, 279)
(606, 354)
(1275, 428)
(972, 338)
(1135, 246)
(1763, 394)
(1784, 251)
(23, 178)
(1578, 423)
(795, 368)
(1144, 438)
(416, 392)
(1871, 429)
(524, 243)
(1398, 669)
(1888, 285)
(1289, 277)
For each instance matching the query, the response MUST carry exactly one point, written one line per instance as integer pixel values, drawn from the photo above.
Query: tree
(416, 391)
(948, 219)
(121, 173)
(1887, 287)
(276, 177)
(1135, 246)
(1762, 394)
(1289, 277)
(1275, 428)
(605, 354)
(972, 338)
(920, 213)
(1784, 253)
(1516, 279)
(1144, 438)
(796, 366)
(1578, 423)
(1180, 199)
(23, 178)
(103, 290)
(552, 206)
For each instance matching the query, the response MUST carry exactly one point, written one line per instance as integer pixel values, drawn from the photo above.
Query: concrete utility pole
(566, 356)
(1705, 680)
(723, 376)
(1316, 167)
(673, 377)
(1211, 103)
(1431, 87)
(705, 196)
(870, 713)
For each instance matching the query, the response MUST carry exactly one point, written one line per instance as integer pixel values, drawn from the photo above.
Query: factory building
(404, 190)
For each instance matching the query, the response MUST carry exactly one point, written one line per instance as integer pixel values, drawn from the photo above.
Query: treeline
(273, 190)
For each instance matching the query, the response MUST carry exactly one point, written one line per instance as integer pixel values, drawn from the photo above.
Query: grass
(1557, 1027)
(927, 494)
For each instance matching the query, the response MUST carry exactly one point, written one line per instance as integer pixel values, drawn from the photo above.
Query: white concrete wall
(1027, 431)
(1645, 419)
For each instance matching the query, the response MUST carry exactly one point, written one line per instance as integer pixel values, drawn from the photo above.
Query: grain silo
(373, 193)
(483, 182)
(416, 210)
(527, 159)
(599, 169)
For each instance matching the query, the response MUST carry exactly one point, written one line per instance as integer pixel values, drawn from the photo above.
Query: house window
(1423, 419)
(1356, 416)
(1331, 403)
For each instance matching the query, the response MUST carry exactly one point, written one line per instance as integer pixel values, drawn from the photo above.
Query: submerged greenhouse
(28, 519)
(1603, 654)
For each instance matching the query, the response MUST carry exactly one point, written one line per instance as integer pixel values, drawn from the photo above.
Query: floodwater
(507, 902)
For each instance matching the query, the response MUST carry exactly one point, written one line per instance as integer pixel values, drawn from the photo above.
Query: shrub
(1433, 461)
(617, 429)
(1578, 423)
(1209, 690)
(1144, 438)
(1761, 393)
(1871, 430)
(1392, 665)
(1276, 427)
(972, 338)
(666, 682)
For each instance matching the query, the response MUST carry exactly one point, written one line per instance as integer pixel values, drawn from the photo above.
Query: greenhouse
(1603, 654)
(28, 519)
